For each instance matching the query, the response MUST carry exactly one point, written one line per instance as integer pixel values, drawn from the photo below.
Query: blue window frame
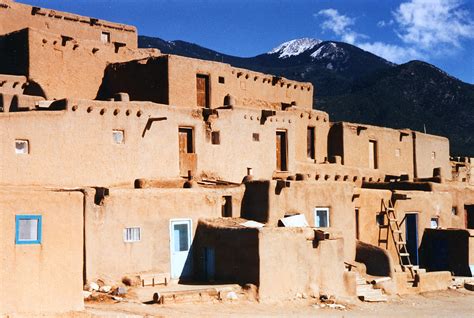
(28, 229)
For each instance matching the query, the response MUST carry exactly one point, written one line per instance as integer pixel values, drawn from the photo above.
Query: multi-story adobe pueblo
(119, 161)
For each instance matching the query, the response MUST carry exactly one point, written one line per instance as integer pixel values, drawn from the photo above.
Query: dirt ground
(449, 303)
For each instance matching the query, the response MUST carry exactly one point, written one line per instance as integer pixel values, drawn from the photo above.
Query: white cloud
(434, 24)
(426, 28)
(390, 52)
(339, 24)
(382, 23)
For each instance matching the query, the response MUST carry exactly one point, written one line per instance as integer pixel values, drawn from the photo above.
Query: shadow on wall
(34, 89)
(445, 250)
(377, 260)
(225, 255)
(255, 202)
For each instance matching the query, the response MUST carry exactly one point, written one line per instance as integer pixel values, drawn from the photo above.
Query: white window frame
(434, 218)
(116, 131)
(130, 239)
(25, 142)
(315, 214)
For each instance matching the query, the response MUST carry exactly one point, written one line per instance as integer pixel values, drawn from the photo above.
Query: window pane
(180, 237)
(322, 218)
(434, 223)
(118, 136)
(132, 234)
(21, 146)
(28, 230)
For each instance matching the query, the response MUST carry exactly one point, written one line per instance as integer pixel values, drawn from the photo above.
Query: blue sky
(440, 32)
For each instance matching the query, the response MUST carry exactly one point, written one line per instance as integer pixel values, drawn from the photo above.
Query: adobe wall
(425, 204)
(431, 152)
(461, 195)
(75, 68)
(44, 277)
(268, 201)
(83, 144)
(110, 258)
(291, 262)
(15, 16)
(248, 88)
(394, 150)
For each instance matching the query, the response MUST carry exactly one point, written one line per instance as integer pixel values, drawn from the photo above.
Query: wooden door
(281, 151)
(202, 89)
(310, 143)
(187, 156)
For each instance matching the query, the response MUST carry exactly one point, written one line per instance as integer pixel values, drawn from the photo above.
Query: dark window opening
(221, 80)
(469, 210)
(256, 137)
(216, 137)
(227, 206)
(310, 143)
(357, 222)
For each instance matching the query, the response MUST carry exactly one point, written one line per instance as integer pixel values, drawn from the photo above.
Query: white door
(180, 239)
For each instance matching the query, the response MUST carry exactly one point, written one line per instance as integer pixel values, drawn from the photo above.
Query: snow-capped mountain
(294, 47)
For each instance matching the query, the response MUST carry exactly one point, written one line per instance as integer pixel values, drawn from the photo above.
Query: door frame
(171, 236)
(414, 258)
(284, 144)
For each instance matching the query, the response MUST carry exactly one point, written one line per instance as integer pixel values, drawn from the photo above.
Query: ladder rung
(390, 209)
(405, 254)
(409, 266)
(383, 226)
(401, 243)
(397, 231)
(393, 220)
(383, 241)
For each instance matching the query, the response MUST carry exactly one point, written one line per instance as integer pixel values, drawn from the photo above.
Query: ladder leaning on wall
(392, 226)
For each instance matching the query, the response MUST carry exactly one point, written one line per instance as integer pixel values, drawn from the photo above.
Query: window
(433, 155)
(28, 229)
(221, 80)
(226, 206)
(256, 137)
(310, 143)
(397, 152)
(105, 37)
(118, 136)
(380, 219)
(216, 137)
(454, 210)
(132, 234)
(321, 217)
(434, 224)
(22, 147)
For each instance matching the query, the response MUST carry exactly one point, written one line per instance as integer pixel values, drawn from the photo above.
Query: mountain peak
(295, 47)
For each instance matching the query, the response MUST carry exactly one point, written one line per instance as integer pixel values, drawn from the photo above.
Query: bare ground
(449, 303)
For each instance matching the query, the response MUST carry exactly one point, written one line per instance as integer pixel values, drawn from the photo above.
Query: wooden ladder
(393, 226)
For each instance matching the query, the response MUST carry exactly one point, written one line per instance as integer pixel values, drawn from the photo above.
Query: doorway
(469, 211)
(180, 245)
(373, 154)
(187, 156)
(281, 150)
(202, 90)
(411, 236)
(357, 223)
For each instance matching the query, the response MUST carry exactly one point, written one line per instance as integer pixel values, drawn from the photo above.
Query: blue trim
(17, 229)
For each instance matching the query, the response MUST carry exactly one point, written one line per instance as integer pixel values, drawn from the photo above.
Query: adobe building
(185, 169)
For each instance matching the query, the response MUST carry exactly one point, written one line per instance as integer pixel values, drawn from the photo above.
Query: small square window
(132, 234)
(397, 152)
(433, 155)
(105, 37)
(221, 80)
(22, 147)
(28, 229)
(321, 217)
(380, 219)
(434, 224)
(216, 137)
(118, 136)
(256, 137)
(454, 210)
